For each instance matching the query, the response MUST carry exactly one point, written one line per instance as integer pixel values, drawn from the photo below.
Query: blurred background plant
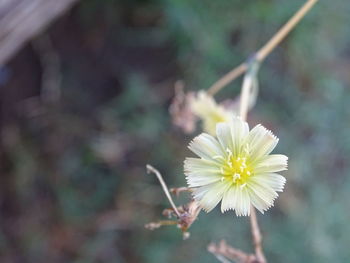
(73, 181)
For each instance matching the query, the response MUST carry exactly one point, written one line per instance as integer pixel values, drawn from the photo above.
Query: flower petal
(199, 192)
(262, 190)
(257, 202)
(271, 180)
(271, 163)
(243, 202)
(240, 130)
(206, 146)
(201, 165)
(201, 172)
(231, 134)
(223, 132)
(260, 142)
(229, 199)
(198, 180)
(209, 196)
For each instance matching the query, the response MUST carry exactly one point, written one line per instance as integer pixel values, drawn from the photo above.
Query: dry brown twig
(185, 214)
(151, 169)
(265, 50)
(177, 191)
(223, 251)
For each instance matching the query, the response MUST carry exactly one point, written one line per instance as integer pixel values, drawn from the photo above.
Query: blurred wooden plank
(21, 20)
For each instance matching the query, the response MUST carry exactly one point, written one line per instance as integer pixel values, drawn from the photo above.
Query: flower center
(235, 169)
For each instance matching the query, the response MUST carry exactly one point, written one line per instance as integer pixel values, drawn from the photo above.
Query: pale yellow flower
(211, 113)
(236, 168)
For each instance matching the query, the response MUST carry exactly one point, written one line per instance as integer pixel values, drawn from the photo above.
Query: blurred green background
(73, 183)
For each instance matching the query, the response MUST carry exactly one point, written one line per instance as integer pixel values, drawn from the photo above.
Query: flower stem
(257, 237)
(248, 81)
(265, 50)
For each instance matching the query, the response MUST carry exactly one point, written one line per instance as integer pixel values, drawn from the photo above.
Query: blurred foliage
(73, 183)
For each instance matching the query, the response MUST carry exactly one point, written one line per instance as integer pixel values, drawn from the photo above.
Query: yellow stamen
(236, 169)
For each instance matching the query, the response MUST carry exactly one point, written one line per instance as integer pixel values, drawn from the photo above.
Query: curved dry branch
(265, 50)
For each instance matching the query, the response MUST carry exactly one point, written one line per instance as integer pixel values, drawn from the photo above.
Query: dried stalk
(151, 169)
(265, 50)
(257, 237)
(222, 250)
(186, 214)
(178, 190)
(155, 225)
(227, 78)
